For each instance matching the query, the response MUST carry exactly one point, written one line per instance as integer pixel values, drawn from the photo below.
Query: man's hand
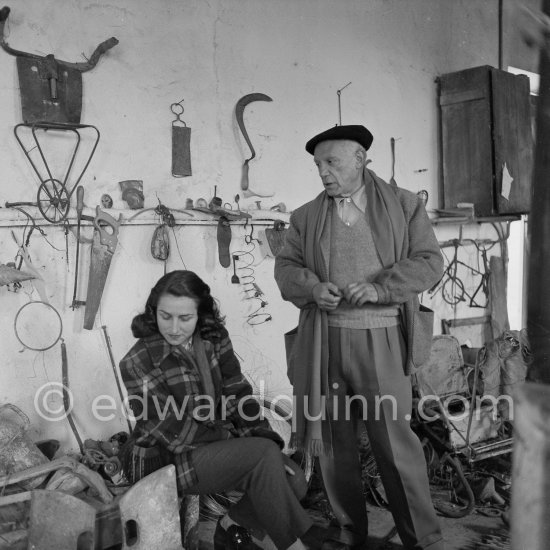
(327, 296)
(359, 294)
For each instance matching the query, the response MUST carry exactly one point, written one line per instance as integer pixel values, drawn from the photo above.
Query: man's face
(340, 165)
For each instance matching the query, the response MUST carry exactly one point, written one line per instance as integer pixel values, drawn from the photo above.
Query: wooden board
(466, 140)
(485, 133)
(513, 142)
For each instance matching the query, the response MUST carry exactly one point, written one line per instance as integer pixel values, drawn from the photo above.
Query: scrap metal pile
(81, 500)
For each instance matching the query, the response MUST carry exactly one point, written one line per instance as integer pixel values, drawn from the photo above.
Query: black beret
(353, 132)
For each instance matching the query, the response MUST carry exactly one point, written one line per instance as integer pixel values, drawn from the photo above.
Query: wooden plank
(485, 126)
(15, 498)
(472, 331)
(467, 141)
(513, 141)
(467, 174)
(461, 97)
(497, 297)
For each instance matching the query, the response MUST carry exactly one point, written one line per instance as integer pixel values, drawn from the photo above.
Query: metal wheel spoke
(53, 200)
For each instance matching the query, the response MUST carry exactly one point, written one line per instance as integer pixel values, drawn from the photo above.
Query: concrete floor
(459, 534)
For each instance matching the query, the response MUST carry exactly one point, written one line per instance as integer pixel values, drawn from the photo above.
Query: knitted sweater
(353, 259)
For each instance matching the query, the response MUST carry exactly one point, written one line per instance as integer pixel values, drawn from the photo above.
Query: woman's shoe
(234, 538)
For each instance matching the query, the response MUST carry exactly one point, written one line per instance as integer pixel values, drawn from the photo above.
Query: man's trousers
(367, 381)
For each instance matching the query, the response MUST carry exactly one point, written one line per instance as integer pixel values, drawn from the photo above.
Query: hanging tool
(54, 194)
(249, 238)
(339, 93)
(38, 326)
(115, 371)
(223, 234)
(104, 243)
(239, 114)
(132, 193)
(79, 208)
(392, 179)
(38, 282)
(181, 138)
(67, 401)
(276, 236)
(51, 90)
(235, 278)
(160, 243)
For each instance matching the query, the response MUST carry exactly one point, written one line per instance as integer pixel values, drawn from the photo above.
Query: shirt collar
(358, 197)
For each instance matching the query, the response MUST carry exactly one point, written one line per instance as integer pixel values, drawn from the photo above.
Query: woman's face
(176, 318)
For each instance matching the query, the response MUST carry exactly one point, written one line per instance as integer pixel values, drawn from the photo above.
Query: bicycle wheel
(53, 200)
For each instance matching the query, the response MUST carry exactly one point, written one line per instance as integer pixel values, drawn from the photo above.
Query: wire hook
(339, 93)
(177, 109)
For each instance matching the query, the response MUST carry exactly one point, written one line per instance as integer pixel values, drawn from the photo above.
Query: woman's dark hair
(181, 283)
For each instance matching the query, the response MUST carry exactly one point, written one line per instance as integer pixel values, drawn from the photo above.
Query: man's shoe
(234, 538)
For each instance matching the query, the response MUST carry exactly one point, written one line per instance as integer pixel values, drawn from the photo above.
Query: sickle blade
(239, 112)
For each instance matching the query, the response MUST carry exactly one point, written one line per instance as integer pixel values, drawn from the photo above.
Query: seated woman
(190, 399)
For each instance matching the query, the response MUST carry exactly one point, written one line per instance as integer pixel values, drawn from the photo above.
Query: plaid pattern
(170, 405)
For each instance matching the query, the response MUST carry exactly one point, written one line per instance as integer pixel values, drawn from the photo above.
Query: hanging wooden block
(181, 142)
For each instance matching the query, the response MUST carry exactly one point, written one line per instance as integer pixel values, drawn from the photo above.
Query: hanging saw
(239, 114)
(104, 243)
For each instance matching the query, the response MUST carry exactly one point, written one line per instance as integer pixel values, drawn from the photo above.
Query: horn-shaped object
(10, 275)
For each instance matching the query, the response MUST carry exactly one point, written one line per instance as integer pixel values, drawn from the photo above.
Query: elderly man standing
(354, 261)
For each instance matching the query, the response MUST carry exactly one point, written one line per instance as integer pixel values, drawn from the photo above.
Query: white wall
(211, 53)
